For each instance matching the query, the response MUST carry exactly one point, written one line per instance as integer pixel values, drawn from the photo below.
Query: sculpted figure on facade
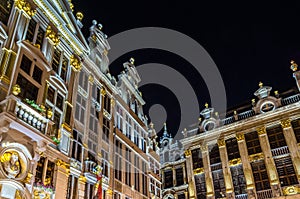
(11, 164)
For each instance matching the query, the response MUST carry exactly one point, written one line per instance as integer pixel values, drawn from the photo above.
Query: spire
(165, 130)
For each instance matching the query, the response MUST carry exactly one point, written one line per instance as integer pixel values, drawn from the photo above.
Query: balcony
(26, 114)
(264, 194)
(43, 191)
(280, 151)
(242, 196)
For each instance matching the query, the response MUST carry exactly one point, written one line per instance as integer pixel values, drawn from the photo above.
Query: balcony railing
(26, 114)
(90, 166)
(280, 151)
(264, 194)
(242, 196)
(290, 100)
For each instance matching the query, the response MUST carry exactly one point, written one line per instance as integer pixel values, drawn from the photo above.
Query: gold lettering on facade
(198, 171)
(235, 162)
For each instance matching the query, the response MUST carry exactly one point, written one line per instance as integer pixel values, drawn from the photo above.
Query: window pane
(37, 74)
(26, 64)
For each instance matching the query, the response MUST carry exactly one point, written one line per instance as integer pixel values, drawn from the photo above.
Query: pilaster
(269, 161)
(246, 166)
(291, 142)
(207, 171)
(190, 174)
(226, 169)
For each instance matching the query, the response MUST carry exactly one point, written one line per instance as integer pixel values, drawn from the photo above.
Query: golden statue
(11, 164)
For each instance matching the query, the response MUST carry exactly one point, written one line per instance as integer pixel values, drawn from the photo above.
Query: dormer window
(5, 8)
(60, 64)
(29, 79)
(35, 34)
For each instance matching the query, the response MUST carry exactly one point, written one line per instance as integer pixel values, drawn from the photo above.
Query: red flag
(99, 179)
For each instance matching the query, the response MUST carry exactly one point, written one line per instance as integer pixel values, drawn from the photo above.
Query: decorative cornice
(52, 36)
(75, 63)
(261, 130)
(62, 164)
(240, 137)
(286, 123)
(91, 79)
(25, 6)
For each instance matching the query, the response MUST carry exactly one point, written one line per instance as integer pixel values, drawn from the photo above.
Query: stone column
(174, 176)
(190, 174)
(207, 172)
(246, 166)
(269, 161)
(226, 169)
(292, 144)
(184, 173)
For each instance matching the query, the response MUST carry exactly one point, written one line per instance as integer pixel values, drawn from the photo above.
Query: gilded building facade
(68, 128)
(251, 153)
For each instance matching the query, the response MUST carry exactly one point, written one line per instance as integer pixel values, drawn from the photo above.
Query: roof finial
(294, 66)
(131, 60)
(260, 84)
(165, 126)
(206, 105)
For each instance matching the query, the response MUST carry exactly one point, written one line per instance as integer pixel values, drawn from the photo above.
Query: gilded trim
(187, 153)
(235, 162)
(256, 157)
(221, 142)
(240, 137)
(261, 130)
(286, 123)
(198, 171)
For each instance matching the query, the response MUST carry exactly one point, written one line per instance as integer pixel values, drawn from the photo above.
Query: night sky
(249, 42)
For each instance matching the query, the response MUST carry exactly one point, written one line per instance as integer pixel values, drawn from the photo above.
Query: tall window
(197, 158)
(105, 128)
(105, 163)
(276, 137)
(83, 80)
(35, 33)
(179, 176)
(94, 122)
(286, 172)
(107, 104)
(143, 142)
(144, 178)
(214, 154)
(77, 146)
(200, 186)
(5, 8)
(119, 118)
(55, 102)
(60, 64)
(29, 79)
(168, 174)
(89, 191)
(260, 175)
(128, 126)
(238, 179)
(118, 160)
(252, 142)
(296, 127)
(232, 149)
(80, 108)
(45, 177)
(219, 183)
(128, 167)
(181, 196)
(136, 134)
(72, 187)
(136, 173)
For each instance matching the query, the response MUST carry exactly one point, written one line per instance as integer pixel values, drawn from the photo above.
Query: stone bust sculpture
(11, 164)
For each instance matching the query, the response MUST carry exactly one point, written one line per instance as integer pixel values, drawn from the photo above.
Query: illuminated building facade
(252, 152)
(69, 129)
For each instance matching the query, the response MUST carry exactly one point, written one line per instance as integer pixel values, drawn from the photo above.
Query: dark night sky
(248, 41)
